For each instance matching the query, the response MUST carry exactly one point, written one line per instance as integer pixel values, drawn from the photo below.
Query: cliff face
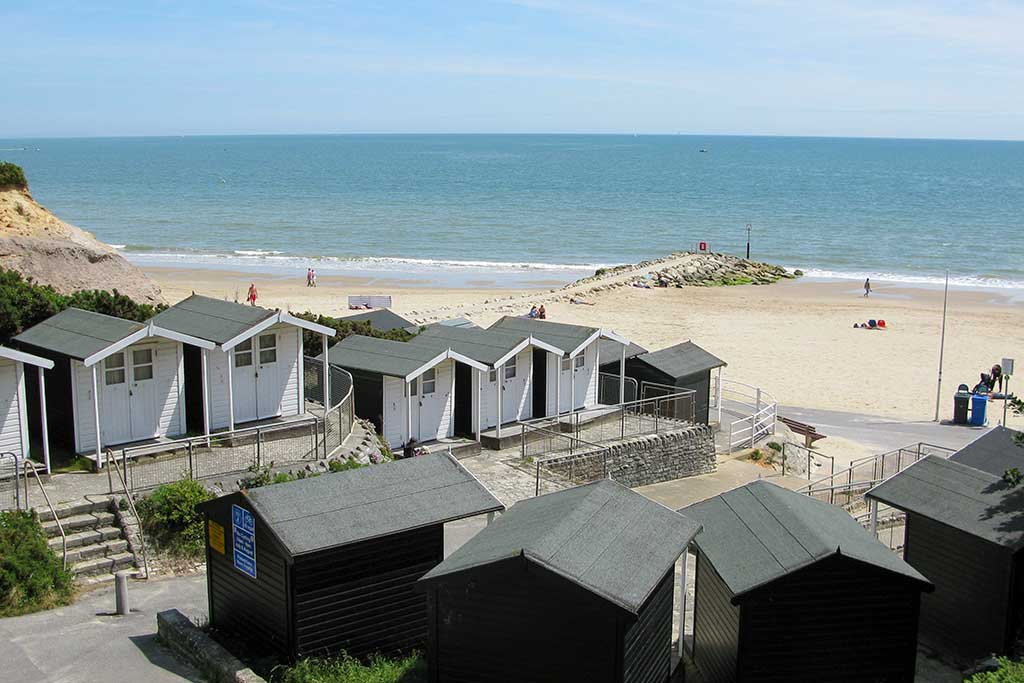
(39, 245)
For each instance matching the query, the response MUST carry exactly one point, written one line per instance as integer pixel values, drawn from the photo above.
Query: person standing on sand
(867, 287)
(312, 277)
(309, 277)
(251, 296)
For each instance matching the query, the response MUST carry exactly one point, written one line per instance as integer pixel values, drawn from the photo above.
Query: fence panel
(608, 389)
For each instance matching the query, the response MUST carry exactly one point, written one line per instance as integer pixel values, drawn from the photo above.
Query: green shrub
(411, 669)
(1009, 672)
(343, 465)
(313, 344)
(170, 517)
(12, 175)
(756, 455)
(775, 446)
(32, 577)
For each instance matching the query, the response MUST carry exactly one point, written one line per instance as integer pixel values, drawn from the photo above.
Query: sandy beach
(795, 338)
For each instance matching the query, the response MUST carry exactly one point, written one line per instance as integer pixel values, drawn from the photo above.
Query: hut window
(243, 354)
(566, 364)
(113, 368)
(429, 381)
(413, 384)
(510, 370)
(142, 364)
(492, 376)
(268, 348)
(580, 360)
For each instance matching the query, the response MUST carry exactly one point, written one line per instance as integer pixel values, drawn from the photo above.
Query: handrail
(60, 527)
(173, 444)
(855, 464)
(111, 458)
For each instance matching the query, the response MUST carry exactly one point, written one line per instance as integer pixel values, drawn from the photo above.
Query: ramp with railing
(746, 413)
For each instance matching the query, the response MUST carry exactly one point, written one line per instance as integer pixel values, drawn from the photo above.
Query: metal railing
(112, 459)
(608, 389)
(10, 485)
(847, 487)
(754, 409)
(801, 461)
(338, 420)
(49, 505)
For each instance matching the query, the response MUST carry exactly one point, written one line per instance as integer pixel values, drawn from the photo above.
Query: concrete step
(86, 537)
(102, 565)
(105, 549)
(91, 520)
(72, 509)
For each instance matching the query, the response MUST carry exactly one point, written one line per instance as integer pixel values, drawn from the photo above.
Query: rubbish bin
(978, 404)
(961, 402)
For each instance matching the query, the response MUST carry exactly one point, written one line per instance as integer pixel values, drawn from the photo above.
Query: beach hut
(136, 370)
(382, 320)
(515, 384)
(248, 366)
(575, 376)
(406, 390)
(789, 588)
(683, 366)
(328, 564)
(612, 357)
(964, 531)
(14, 431)
(570, 586)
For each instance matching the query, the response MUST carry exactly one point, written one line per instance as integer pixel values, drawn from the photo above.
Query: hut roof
(603, 537)
(347, 507)
(490, 347)
(976, 502)
(80, 334)
(994, 452)
(392, 358)
(682, 360)
(611, 351)
(212, 319)
(381, 319)
(761, 532)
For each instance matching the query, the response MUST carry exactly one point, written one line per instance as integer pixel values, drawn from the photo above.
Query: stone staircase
(96, 544)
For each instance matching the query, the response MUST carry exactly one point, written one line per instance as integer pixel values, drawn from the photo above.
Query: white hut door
(268, 383)
(115, 411)
(413, 388)
(565, 379)
(581, 377)
(142, 394)
(434, 388)
(510, 391)
(244, 377)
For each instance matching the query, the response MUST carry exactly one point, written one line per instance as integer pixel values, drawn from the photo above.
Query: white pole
(874, 517)
(42, 411)
(96, 417)
(451, 403)
(558, 387)
(597, 373)
(682, 603)
(231, 390)
(622, 375)
(942, 347)
(499, 381)
(479, 402)
(408, 411)
(206, 393)
(718, 394)
(327, 375)
(527, 383)
(572, 385)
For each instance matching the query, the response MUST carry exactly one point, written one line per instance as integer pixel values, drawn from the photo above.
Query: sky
(885, 68)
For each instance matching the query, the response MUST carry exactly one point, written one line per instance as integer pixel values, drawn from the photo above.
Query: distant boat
(703, 150)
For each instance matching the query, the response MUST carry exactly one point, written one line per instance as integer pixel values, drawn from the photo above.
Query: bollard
(121, 593)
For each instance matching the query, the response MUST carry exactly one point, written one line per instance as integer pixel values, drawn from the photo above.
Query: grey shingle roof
(211, 319)
(458, 322)
(486, 346)
(957, 495)
(602, 536)
(761, 532)
(994, 452)
(347, 507)
(381, 319)
(383, 356)
(77, 333)
(561, 335)
(682, 360)
(611, 351)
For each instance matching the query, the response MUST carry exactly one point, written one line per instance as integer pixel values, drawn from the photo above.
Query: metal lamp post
(748, 241)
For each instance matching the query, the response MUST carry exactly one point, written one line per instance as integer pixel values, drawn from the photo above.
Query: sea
(520, 209)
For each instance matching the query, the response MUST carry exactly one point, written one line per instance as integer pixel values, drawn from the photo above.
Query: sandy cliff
(39, 245)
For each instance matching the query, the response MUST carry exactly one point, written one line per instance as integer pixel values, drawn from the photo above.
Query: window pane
(142, 356)
(566, 364)
(492, 376)
(428, 387)
(243, 360)
(510, 371)
(244, 346)
(142, 372)
(268, 341)
(268, 356)
(115, 376)
(114, 361)
(430, 375)
(579, 361)
(412, 387)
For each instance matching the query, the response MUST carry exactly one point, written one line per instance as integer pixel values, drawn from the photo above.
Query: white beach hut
(14, 432)
(136, 370)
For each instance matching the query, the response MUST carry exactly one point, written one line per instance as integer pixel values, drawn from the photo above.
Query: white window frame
(151, 364)
(492, 376)
(510, 370)
(243, 350)
(109, 367)
(566, 364)
(267, 349)
(580, 361)
(429, 383)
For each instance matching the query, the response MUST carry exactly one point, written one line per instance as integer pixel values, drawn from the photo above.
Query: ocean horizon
(523, 208)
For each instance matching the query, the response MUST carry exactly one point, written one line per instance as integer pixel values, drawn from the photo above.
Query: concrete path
(729, 475)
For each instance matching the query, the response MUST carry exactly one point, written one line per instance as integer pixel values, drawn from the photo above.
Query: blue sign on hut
(569, 586)
(328, 564)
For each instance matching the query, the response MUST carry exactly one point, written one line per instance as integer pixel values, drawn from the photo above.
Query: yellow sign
(216, 536)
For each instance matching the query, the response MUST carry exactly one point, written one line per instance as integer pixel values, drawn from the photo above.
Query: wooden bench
(809, 433)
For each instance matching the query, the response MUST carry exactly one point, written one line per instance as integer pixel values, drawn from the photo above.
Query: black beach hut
(965, 531)
(789, 588)
(570, 586)
(329, 563)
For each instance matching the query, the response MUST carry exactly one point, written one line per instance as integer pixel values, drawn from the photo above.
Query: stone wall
(643, 460)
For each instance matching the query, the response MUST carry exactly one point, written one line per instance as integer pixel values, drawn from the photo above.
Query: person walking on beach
(867, 287)
(251, 296)
(309, 277)
(312, 277)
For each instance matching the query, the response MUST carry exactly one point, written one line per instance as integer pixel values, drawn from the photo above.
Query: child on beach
(251, 296)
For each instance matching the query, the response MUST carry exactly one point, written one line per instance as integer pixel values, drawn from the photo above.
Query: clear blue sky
(827, 67)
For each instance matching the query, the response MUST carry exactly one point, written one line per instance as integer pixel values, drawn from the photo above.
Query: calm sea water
(492, 204)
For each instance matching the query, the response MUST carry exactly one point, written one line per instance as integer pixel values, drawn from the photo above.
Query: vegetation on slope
(32, 577)
(12, 175)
